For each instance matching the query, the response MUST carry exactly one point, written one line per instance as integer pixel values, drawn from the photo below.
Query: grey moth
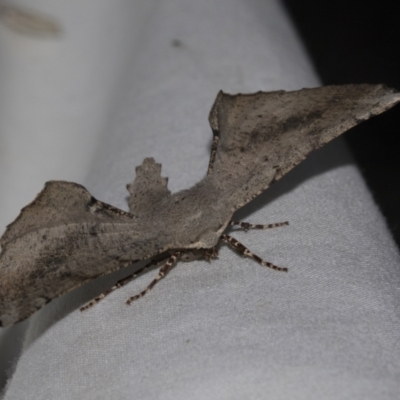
(66, 237)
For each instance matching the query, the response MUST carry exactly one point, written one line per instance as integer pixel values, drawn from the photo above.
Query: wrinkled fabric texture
(230, 329)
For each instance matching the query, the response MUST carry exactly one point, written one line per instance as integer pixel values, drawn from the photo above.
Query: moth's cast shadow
(59, 308)
(331, 156)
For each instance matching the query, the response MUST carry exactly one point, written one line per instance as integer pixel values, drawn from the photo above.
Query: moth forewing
(66, 237)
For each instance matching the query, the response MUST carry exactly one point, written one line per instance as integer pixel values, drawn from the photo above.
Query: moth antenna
(241, 249)
(119, 284)
(161, 274)
(246, 225)
(213, 154)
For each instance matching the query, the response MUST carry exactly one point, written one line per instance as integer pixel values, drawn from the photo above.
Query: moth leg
(211, 254)
(212, 155)
(119, 284)
(241, 249)
(161, 273)
(246, 225)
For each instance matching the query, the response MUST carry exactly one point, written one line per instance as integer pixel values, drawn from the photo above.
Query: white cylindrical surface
(128, 80)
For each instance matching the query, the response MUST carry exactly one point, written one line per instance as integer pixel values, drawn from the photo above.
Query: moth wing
(61, 203)
(148, 189)
(61, 240)
(262, 136)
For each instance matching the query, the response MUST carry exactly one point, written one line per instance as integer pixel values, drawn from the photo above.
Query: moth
(66, 237)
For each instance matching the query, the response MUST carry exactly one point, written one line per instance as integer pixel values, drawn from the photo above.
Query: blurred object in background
(28, 22)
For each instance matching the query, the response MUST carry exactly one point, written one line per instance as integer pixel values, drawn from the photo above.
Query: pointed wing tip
(388, 97)
(394, 95)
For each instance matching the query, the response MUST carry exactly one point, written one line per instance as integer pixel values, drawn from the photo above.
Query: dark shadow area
(70, 302)
(353, 41)
(317, 163)
(11, 343)
(13, 339)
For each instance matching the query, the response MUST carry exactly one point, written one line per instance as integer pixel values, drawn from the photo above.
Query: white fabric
(127, 80)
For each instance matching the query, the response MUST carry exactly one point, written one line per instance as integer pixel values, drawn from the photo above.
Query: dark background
(353, 41)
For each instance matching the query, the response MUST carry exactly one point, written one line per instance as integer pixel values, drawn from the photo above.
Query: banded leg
(211, 254)
(119, 284)
(212, 155)
(161, 273)
(246, 225)
(241, 249)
